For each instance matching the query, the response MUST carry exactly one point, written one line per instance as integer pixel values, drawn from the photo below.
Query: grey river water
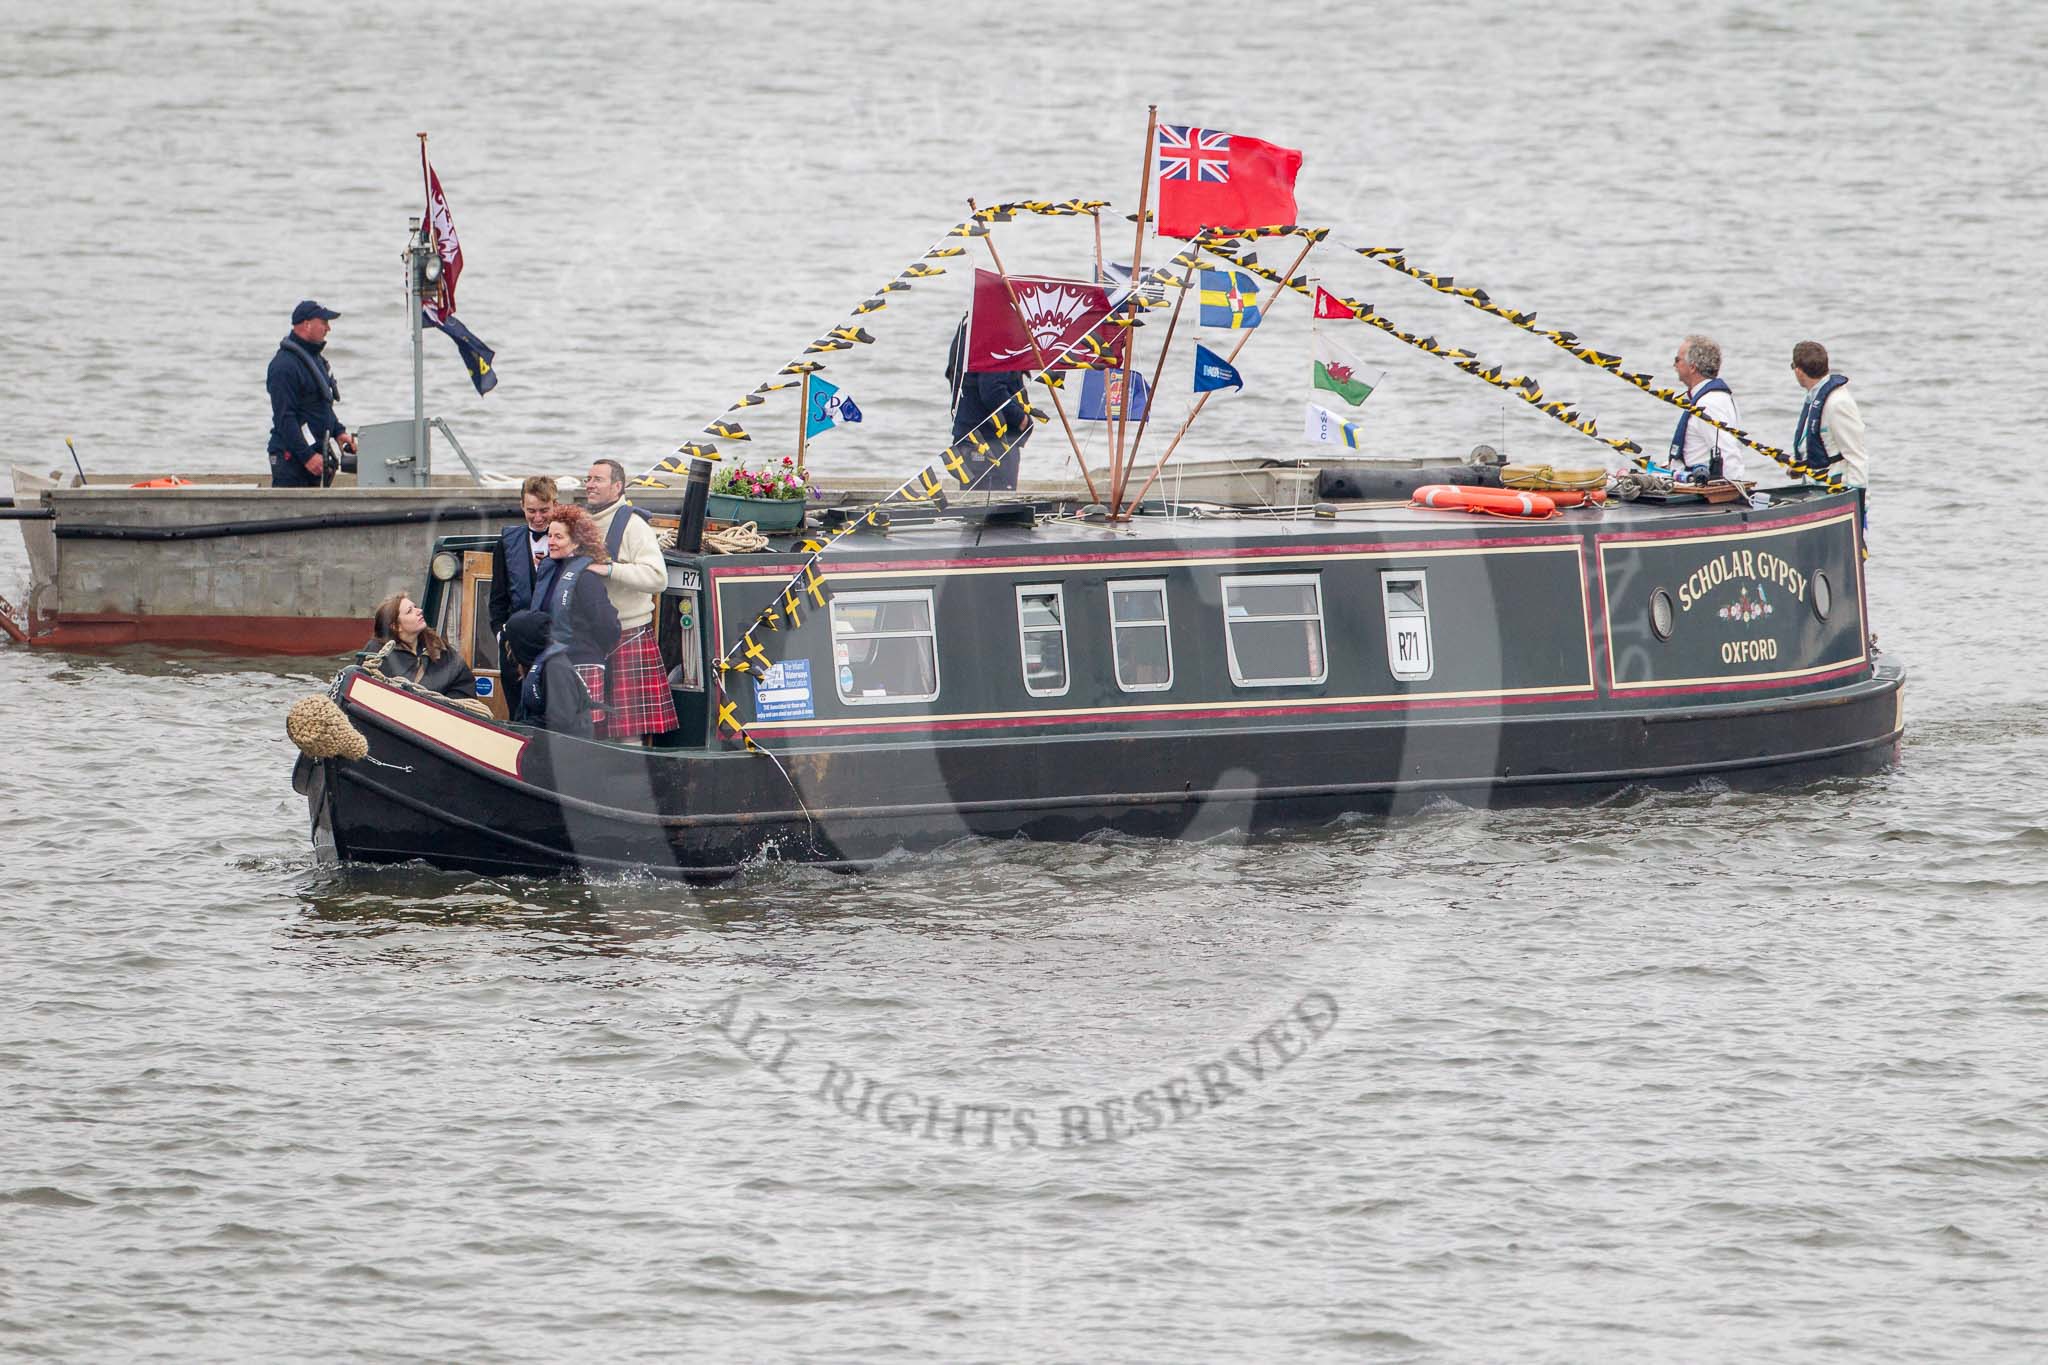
(1686, 1076)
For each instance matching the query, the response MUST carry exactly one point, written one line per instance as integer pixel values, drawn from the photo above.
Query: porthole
(1660, 614)
(1823, 596)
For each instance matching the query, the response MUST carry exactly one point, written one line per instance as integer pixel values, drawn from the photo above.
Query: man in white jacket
(636, 696)
(1830, 432)
(1701, 450)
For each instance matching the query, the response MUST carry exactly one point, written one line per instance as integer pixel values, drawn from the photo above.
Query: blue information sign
(785, 694)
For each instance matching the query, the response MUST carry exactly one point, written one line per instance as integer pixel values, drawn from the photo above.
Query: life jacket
(1807, 446)
(560, 590)
(615, 534)
(1677, 454)
(316, 366)
(519, 573)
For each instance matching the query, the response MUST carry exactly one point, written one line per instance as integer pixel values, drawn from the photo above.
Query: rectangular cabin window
(1273, 630)
(1138, 635)
(1042, 631)
(884, 648)
(1405, 596)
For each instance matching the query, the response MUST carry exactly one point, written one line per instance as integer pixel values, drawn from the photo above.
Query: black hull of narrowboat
(561, 805)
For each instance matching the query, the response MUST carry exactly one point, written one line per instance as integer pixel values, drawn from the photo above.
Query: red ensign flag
(1222, 180)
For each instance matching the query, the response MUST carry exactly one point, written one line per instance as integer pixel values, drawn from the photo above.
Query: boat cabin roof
(994, 527)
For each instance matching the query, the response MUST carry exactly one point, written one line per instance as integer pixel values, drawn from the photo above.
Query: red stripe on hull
(1737, 685)
(296, 635)
(768, 728)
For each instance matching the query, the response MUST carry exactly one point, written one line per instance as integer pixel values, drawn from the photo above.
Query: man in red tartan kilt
(636, 696)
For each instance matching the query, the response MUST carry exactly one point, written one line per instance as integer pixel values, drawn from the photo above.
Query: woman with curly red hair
(564, 638)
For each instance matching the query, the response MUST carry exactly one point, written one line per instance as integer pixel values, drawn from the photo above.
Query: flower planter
(769, 514)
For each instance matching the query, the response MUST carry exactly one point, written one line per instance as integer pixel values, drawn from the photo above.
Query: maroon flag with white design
(1063, 316)
(439, 304)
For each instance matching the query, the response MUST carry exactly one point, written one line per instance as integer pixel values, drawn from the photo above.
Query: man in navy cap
(302, 398)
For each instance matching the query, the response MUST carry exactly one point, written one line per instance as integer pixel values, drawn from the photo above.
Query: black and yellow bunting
(849, 335)
(1521, 386)
(1393, 259)
(805, 589)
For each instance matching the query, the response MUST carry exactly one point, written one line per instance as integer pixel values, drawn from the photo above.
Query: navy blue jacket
(299, 407)
(592, 620)
(512, 575)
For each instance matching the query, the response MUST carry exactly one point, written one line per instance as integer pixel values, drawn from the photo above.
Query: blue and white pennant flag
(1326, 428)
(828, 408)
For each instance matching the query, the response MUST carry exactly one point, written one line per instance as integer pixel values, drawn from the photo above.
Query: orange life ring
(168, 481)
(1502, 502)
(1587, 497)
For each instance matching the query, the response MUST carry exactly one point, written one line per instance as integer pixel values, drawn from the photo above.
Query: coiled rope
(743, 539)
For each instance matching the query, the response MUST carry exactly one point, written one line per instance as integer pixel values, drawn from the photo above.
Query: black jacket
(447, 675)
(511, 583)
(593, 621)
(554, 697)
(301, 413)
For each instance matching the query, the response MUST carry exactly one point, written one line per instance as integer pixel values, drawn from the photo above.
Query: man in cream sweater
(636, 697)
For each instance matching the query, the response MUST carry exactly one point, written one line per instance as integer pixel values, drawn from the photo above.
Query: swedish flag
(1230, 299)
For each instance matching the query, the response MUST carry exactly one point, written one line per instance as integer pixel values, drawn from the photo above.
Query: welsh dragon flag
(1338, 371)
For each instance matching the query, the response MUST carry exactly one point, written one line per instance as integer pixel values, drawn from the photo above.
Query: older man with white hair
(1701, 450)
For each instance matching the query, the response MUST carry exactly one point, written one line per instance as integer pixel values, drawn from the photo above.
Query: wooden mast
(1196, 411)
(1117, 477)
(803, 426)
(1159, 370)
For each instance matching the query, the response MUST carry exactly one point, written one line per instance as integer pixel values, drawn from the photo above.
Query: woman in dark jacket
(572, 622)
(404, 647)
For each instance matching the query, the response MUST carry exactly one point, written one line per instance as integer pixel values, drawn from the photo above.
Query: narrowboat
(1015, 670)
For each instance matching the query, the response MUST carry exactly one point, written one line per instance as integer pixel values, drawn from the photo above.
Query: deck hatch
(1404, 595)
(1140, 635)
(1273, 630)
(1042, 636)
(884, 650)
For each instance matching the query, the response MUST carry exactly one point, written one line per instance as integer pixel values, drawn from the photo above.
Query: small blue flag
(1230, 299)
(1102, 395)
(477, 358)
(1213, 372)
(827, 408)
